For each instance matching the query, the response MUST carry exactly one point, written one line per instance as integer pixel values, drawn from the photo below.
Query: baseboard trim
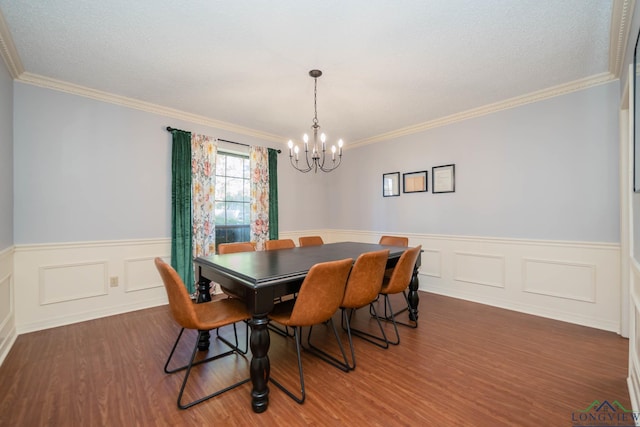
(88, 315)
(526, 309)
(7, 344)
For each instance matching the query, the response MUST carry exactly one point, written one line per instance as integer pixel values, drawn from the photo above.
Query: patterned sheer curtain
(259, 166)
(203, 177)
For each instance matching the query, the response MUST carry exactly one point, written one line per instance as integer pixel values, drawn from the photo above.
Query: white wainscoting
(59, 284)
(7, 311)
(570, 281)
(633, 381)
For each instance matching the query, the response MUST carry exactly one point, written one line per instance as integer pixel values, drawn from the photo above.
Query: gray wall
(547, 170)
(6, 158)
(87, 170)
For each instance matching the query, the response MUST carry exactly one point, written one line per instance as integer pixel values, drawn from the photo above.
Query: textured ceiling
(387, 65)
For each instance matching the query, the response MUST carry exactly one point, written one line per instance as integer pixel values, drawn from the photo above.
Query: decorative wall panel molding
(8, 332)
(560, 279)
(141, 274)
(481, 269)
(67, 282)
(6, 301)
(431, 263)
(515, 273)
(58, 284)
(633, 380)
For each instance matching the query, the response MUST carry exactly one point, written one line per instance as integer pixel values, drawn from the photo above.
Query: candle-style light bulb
(333, 152)
(340, 144)
(296, 151)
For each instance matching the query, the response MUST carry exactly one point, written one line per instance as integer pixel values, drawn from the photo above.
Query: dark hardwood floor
(466, 365)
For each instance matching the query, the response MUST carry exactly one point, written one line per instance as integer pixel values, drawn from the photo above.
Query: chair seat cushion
(281, 312)
(215, 314)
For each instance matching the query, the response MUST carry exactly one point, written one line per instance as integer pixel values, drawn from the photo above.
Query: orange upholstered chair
(394, 241)
(311, 241)
(232, 248)
(271, 245)
(363, 286)
(398, 283)
(318, 299)
(202, 317)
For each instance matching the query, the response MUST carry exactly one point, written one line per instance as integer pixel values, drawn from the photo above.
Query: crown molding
(619, 34)
(8, 50)
(59, 85)
(563, 89)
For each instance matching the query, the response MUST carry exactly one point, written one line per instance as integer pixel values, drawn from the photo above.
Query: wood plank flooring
(466, 365)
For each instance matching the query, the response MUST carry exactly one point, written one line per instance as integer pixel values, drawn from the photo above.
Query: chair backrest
(321, 292)
(181, 306)
(365, 279)
(310, 241)
(279, 244)
(232, 248)
(403, 271)
(394, 241)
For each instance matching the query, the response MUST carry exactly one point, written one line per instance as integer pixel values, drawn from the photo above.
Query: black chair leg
(340, 364)
(279, 331)
(392, 319)
(190, 365)
(297, 331)
(236, 347)
(380, 340)
(387, 317)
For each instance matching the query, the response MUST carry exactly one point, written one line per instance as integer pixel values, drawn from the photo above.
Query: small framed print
(391, 184)
(444, 179)
(415, 182)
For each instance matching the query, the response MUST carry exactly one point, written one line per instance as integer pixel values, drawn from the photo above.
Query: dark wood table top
(263, 268)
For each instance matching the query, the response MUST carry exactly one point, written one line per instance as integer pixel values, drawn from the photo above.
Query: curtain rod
(170, 129)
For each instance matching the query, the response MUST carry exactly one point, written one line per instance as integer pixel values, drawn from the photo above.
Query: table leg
(260, 366)
(413, 297)
(204, 295)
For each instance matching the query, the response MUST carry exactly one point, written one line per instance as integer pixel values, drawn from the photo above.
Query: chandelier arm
(295, 166)
(323, 169)
(306, 158)
(323, 159)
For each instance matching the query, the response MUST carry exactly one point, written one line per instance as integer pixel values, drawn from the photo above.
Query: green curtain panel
(273, 194)
(181, 228)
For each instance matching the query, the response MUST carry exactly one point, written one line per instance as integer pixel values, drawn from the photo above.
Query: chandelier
(318, 150)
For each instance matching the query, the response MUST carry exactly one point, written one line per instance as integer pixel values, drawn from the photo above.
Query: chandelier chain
(315, 102)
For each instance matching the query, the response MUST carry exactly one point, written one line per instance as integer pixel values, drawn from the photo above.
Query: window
(233, 196)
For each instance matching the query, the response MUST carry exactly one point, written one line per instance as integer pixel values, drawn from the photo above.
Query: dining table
(259, 277)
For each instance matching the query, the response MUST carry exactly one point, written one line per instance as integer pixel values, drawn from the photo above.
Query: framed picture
(391, 184)
(444, 179)
(415, 182)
